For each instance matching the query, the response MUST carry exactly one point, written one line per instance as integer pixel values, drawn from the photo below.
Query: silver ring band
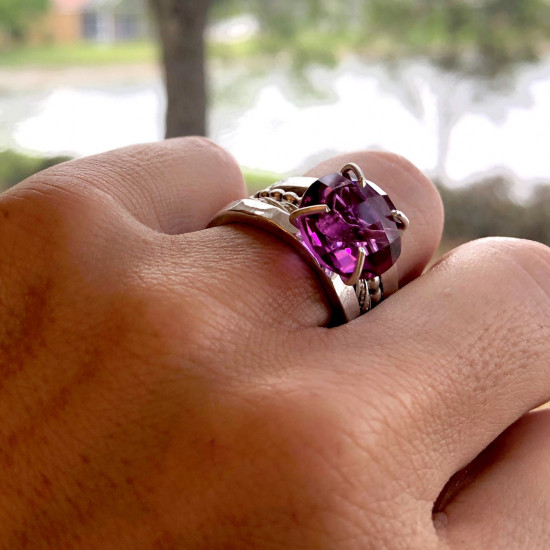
(271, 209)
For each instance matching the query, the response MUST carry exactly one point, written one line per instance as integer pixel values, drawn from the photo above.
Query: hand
(164, 386)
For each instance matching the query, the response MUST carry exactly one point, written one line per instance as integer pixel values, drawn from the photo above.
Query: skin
(163, 386)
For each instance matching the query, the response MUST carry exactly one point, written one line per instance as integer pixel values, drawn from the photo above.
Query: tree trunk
(181, 26)
(450, 108)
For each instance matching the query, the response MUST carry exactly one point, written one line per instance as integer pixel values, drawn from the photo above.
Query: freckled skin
(168, 387)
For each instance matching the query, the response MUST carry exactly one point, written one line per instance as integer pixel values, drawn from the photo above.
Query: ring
(343, 225)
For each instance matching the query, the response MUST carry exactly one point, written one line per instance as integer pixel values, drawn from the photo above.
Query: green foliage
(539, 215)
(256, 180)
(483, 37)
(478, 37)
(84, 53)
(304, 30)
(15, 167)
(485, 209)
(311, 31)
(17, 15)
(223, 9)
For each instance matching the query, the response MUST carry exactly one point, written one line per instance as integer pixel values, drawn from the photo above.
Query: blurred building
(103, 21)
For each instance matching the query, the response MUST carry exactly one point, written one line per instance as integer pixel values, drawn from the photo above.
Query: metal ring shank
(342, 298)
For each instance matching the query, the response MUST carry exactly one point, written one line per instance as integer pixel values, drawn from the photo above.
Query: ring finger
(253, 277)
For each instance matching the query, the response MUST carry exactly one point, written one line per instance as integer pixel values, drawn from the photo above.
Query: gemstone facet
(359, 217)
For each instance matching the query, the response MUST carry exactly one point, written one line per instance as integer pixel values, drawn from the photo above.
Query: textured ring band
(346, 229)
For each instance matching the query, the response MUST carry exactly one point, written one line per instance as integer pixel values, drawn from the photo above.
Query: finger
(502, 499)
(258, 277)
(174, 186)
(465, 346)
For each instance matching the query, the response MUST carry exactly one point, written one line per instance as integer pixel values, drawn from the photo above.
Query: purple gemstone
(359, 216)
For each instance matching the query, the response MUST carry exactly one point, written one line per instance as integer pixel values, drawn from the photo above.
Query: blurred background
(460, 87)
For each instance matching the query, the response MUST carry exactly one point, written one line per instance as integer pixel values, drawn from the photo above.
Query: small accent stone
(359, 217)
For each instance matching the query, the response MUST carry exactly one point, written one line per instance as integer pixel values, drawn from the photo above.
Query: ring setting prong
(308, 211)
(401, 220)
(355, 169)
(356, 275)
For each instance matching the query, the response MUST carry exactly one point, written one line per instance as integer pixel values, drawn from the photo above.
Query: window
(90, 26)
(127, 26)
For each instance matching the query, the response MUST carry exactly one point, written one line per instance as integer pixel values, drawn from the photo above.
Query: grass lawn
(80, 54)
(88, 53)
(256, 180)
(306, 48)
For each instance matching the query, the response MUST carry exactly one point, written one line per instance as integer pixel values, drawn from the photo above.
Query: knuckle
(525, 264)
(44, 219)
(201, 145)
(220, 161)
(62, 192)
(50, 233)
(504, 287)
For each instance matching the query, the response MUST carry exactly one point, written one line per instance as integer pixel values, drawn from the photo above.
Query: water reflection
(87, 121)
(454, 128)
